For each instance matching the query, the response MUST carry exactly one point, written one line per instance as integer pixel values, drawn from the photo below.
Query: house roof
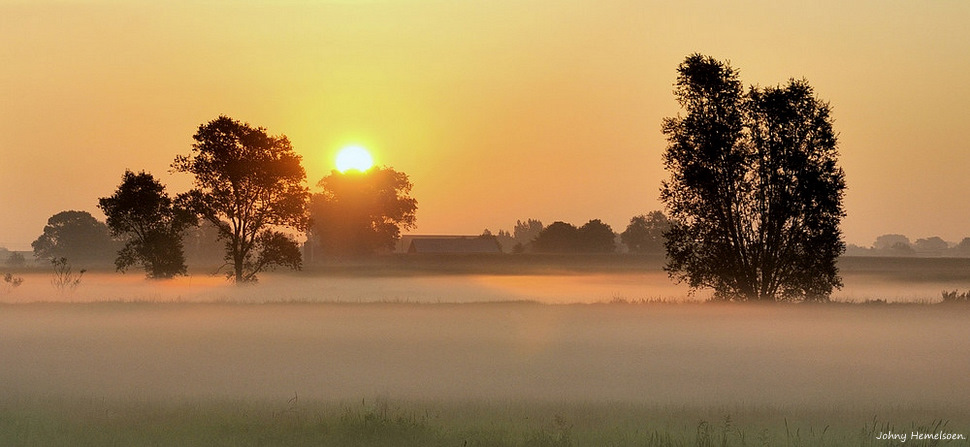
(453, 245)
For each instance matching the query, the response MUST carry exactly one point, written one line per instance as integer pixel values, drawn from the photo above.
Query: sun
(354, 158)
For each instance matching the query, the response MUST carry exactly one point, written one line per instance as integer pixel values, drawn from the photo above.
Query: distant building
(450, 245)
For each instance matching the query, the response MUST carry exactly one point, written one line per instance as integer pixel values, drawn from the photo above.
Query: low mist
(653, 353)
(865, 279)
(465, 288)
(485, 337)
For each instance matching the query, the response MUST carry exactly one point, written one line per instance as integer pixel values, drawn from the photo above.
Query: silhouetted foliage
(645, 233)
(900, 249)
(64, 278)
(360, 213)
(16, 260)
(596, 237)
(955, 297)
(857, 250)
(142, 213)
(8, 282)
(931, 245)
(562, 237)
(559, 237)
(963, 248)
(248, 184)
(525, 232)
(755, 191)
(497, 239)
(898, 245)
(76, 235)
(888, 241)
(505, 240)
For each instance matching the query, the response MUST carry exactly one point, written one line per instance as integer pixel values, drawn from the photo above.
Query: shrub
(954, 296)
(65, 279)
(9, 283)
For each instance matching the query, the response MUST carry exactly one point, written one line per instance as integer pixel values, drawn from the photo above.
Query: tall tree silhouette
(143, 214)
(755, 191)
(250, 185)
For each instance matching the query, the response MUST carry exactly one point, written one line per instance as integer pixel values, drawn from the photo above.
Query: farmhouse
(452, 245)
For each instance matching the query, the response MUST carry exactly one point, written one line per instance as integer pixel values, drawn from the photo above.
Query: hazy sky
(498, 110)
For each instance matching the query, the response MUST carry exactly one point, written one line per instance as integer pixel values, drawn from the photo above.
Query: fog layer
(666, 354)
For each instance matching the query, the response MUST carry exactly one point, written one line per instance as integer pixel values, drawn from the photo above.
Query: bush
(950, 297)
(9, 283)
(65, 278)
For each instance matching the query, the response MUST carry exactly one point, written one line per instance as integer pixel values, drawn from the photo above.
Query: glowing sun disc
(354, 158)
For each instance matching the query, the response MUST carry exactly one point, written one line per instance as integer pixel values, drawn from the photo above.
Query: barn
(453, 245)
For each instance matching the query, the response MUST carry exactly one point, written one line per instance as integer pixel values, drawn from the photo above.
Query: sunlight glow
(354, 157)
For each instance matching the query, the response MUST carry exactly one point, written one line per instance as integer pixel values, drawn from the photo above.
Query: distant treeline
(83, 239)
(900, 245)
(80, 236)
(644, 234)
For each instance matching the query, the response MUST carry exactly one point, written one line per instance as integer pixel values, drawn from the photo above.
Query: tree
(524, 233)
(755, 191)
(143, 214)
(900, 249)
(559, 237)
(887, 241)
(16, 259)
(963, 248)
(359, 213)
(931, 245)
(596, 237)
(505, 240)
(250, 185)
(75, 235)
(645, 233)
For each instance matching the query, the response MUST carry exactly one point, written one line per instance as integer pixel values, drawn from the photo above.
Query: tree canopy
(645, 233)
(561, 237)
(524, 233)
(75, 235)
(250, 185)
(360, 213)
(143, 214)
(558, 237)
(755, 191)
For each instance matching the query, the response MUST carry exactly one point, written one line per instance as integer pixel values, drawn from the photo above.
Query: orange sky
(498, 110)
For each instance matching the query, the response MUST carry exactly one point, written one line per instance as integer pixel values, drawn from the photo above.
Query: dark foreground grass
(380, 422)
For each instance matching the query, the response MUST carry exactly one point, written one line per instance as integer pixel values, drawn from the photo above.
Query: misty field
(561, 358)
(491, 374)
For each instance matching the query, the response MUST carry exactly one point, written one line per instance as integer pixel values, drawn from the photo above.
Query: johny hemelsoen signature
(902, 437)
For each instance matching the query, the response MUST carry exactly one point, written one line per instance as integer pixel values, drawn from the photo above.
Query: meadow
(552, 356)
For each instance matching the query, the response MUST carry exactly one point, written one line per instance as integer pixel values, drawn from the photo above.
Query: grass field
(382, 422)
